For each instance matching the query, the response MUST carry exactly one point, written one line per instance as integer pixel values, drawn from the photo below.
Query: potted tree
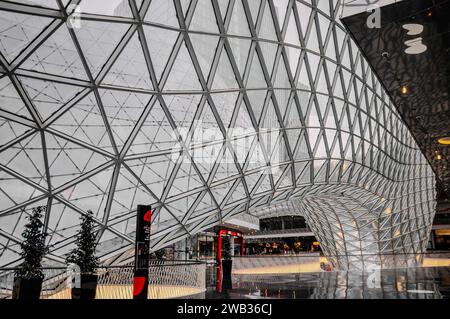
(83, 255)
(29, 276)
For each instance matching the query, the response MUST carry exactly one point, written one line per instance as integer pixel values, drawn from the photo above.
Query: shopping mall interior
(224, 149)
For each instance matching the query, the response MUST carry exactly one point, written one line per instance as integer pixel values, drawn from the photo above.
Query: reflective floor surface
(411, 283)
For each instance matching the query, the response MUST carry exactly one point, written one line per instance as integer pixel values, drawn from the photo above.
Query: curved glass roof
(204, 109)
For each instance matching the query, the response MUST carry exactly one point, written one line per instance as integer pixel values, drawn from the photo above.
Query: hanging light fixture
(444, 140)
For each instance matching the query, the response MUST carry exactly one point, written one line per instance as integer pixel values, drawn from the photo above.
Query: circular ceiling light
(404, 90)
(444, 140)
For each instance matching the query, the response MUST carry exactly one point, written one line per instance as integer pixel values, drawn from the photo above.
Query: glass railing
(167, 279)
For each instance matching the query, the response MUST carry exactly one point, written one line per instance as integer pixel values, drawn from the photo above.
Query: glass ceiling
(204, 109)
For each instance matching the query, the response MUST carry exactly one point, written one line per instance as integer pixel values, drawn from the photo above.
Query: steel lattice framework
(95, 106)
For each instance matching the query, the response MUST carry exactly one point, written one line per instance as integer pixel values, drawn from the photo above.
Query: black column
(141, 258)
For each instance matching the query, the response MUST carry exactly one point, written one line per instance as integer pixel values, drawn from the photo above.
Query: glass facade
(204, 109)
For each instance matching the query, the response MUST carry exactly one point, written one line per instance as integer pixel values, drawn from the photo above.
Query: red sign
(148, 216)
(138, 285)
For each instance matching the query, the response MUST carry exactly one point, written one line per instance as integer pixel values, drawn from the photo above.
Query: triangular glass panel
(281, 80)
(27, 159)
(240, 48)
(321, 148)
(270, 121)
(264, 185)
(267, 30)
(302, 150)
(162, 12)
(304, 13)
(130, 68)
(292, 35)
(313, 39)
(154, 171)
(285, 180)
(225, 104)
(303, 79)
(321, 81)
(10, 130)
(254, 8)
(183, 109)
(256, 77)
(183, 75)
(122, 9)
(18, 31)
(186, 179)
(280, 9)
(98, 40)
(304, 176)
(282, 97)
(320, 170)
(68, 161)
(227, 166)
(204, 18)
(257, 99)
(162, 43)
(62, 225)
(314, 61)
(14, 223)
(292, 118)
(205, 48)
(269, 51)
(123, 110)
(10, 100)
(238, 24)
(243, 120)
(48, 97)
(128, 194)
(57, 55)
(256, 158)
(224, 78)
(84, 122)
(237, 193)
(252, 180)
(155, 134)
(313, 118)
(293, 59)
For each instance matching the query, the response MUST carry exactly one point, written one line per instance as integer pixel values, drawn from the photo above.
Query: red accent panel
(148, 216)
(138, 285)
(219, 249)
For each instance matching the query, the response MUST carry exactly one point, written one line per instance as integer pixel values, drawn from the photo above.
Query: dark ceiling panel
(426, 76)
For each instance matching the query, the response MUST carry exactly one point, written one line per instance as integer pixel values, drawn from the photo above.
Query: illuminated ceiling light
(388, 211)
(429, 13)
(438, 155)
(404, 90)
(444, 140)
